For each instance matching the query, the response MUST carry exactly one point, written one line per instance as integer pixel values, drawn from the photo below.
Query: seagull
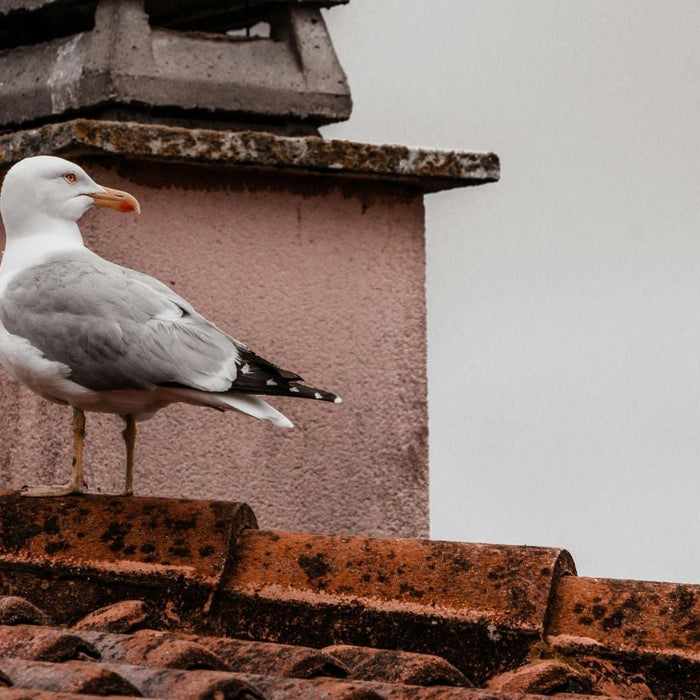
(80, 330)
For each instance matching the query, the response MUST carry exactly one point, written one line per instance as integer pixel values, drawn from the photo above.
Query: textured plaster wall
(323, 276)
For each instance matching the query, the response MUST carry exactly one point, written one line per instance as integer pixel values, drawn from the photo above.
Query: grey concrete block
(127, 65)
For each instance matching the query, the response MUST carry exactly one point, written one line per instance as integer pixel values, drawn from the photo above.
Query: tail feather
(256, 407)
(243, 403)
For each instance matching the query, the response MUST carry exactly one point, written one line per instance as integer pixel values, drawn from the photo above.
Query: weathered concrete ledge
(427, 170)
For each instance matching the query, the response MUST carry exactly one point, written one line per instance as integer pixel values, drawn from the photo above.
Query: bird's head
(47, 187)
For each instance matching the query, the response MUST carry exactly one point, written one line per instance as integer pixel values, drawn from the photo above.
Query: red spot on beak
(116, 199)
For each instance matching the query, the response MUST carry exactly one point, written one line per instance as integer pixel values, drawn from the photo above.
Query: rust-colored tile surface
(153, 648)
(543, 677)
(637, 639)
(629, 614)
(77, 555)
(121, 617)
(212, 607)
(462, 602)
(33, 694)
(15, 610)
(44, 644)
(48, 662)
(80, 677)
(127, 536)
(480, 583)
(390, 666)
(277, 659)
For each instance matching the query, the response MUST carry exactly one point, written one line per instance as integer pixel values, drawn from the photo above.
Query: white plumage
(80, 330)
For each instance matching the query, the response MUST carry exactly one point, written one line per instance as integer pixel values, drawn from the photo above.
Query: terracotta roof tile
(153, 648)
(463, 602)
(44, 644)
(507, 585)
(544, 677)
(275, 688)
(169, 650)
(5, 681)
(81, 677)
(277, 659)
(390, 666)
(25, 694)
(187, 599)
(156, 682)
(629, 614)
(121, 617)
(15, 611)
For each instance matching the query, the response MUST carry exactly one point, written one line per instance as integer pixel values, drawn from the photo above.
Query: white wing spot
(317, 395)
(271, 382)
(294, 389)
(246, 369)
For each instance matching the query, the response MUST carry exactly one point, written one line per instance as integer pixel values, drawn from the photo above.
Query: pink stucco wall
(324, 276)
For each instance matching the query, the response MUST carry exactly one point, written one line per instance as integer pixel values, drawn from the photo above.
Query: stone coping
(427, 170)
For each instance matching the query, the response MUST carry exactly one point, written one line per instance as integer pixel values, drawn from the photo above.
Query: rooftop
(176, 598)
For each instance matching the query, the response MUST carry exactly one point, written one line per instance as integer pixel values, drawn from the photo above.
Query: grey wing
(116, 328)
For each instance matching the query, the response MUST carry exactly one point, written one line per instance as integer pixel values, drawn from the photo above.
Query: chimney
(310, 251)
(218, 63)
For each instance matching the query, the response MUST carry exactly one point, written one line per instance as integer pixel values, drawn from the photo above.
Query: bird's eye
(70, 177)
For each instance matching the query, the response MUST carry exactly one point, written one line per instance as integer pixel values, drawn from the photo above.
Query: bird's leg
(129, 435)
(77, 483)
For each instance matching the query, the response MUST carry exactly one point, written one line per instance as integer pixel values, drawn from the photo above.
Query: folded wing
(116, 328)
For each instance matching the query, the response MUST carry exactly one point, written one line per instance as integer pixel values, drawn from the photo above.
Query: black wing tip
(276, 386)
(309, 392)
(258, 376)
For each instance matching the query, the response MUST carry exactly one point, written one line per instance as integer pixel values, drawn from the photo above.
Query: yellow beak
(116, 199)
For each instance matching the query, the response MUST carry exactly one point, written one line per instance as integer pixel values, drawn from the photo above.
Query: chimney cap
(262, 64)
(422, 169)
